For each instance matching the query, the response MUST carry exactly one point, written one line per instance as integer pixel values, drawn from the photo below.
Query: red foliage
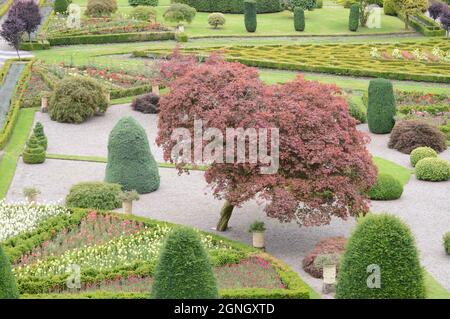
(325, 168)
(329, 245)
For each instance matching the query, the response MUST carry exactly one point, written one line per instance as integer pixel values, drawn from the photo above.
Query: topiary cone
(130, 161)
(183, 270)
(33, 153)
(381, 109)
(8, 285)
(381, 247)
(40, 135)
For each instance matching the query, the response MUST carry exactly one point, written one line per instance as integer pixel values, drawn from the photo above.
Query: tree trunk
(225, 215)
(18, 54)
(406, 22)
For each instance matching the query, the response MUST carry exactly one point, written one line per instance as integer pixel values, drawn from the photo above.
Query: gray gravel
(186, 199)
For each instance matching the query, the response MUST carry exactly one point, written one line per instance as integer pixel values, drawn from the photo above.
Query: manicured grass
(434, 289)
(384, 166)
(13, 149)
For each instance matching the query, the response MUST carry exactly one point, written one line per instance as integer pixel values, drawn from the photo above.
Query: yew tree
(324, 167)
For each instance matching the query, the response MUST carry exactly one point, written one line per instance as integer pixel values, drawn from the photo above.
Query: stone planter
(258, 239)
(180, 28)
(32, 199)
(329, 278)
(155, 89)
(44, 104)
(127, 207)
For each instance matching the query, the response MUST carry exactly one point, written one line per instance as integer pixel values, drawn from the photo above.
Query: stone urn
(44, 104)
(258, 239)
(180, 28)
(155, 89)
(329, 278)
(32, 199)
(127, 207)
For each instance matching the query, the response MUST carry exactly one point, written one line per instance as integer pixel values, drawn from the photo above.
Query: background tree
(29, 13)
(12, 31)
(445, 20)
(436, 9)
(179, 12)
(409, 8)
(325, 169)
(8, 285)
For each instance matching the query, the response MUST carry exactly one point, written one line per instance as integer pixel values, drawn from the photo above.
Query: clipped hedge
(385, 242)
(421, 153)
(94, 195)
(353, 19)
(232, 6)
(357, 111)
(381, 109)
(299, 19)
(135, 3)
(386, 187)
(433, 170)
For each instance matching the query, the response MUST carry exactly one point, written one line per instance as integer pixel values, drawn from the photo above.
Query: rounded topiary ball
(184, 270)
(385, 243)
(8, 285)
(433, 170)
(77, 99)
(386, 188)
(130, 161)
(421, 153)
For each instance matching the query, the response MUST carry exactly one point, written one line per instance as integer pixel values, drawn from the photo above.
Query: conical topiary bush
(380, 262)
(8, 285)
(130, 161)
(33, 153)
(40, 135)
(184, 270)
(381, 109)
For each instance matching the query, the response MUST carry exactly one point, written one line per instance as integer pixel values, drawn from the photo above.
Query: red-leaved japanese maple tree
(324, 167)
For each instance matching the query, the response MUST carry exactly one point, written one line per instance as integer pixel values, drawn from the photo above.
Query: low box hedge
(112, 38)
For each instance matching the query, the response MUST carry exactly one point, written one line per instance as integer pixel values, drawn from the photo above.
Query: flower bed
(342, 59)
(118, 253)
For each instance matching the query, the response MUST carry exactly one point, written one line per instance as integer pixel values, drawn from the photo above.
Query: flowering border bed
(39, 287)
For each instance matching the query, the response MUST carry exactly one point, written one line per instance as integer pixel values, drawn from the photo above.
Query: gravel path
(186, 199)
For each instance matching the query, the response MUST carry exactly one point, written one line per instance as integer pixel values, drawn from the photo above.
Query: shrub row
(94, 195)
(11, 118)
(428, 27)
(231, 6)
(112, 38)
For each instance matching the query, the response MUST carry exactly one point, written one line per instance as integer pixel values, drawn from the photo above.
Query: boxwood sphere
(184, 270)
(386, 188)
(385, 242)
(421, 153)
(433, 170)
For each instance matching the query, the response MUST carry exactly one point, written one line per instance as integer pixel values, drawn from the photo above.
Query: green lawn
(434, 289)
(401, 173)
(13, 149)
(318, 22)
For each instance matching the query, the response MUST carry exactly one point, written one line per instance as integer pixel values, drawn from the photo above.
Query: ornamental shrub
(33, 153)
(181, 37)
(381, 109)
(60, 6)
(387, 187)
(353, 20)
(250, 15)
(329, 245)
(38, 132)
(77, 99)
(433, 170)
(179, 12)
(447, 242)
(216, 19)
(94, 195)
(135, 3)
(319, 4)
(385, 241)
(409, 135)
(357, 111)
(143, 13)
(146, 103)
(8, 285)
(100, 8)
(299, 19)
(389, 8)
(184, 270)
(130, 161)
(231, 6)
(304, 4)
(421, 153)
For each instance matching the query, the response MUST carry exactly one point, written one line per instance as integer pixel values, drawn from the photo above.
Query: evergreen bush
(421, 153)
(250, 15)
(33, 153)
(100, 8)
(8, 285)
(353, 20)
(60, 6)
(381, 109)
(386, 188)
(38, 132)
(433, 170)
(299, 19)
(135, 3)
(94, 195)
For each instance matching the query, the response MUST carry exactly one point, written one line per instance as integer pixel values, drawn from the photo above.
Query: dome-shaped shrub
(146, 103)
(421, 153)
(409, 135)
(100, 8)
(383, 241)
(76, 99)
(33, 153)
(38, 131)
(130, 161)
(216, 19)
(381, 106)
(387, 187)
(184, 270)
(433, 170)
(94, 195)
(60, 6)
(144, 13)
(8, 285)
